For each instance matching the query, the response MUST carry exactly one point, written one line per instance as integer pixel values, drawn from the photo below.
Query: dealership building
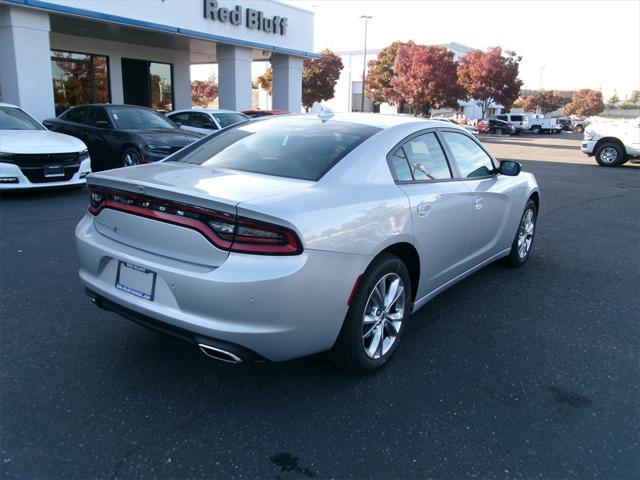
(59, 53)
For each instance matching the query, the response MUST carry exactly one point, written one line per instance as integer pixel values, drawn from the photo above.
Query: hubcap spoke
(525, 233)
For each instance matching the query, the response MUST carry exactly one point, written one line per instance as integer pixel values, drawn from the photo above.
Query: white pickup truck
(612, 143)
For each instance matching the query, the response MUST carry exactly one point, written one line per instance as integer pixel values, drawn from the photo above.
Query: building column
(182, 81)
(234, 77)
(287, 83)
(25, 61)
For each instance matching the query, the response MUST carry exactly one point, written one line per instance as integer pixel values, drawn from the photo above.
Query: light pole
(541, 72)
(364, 60)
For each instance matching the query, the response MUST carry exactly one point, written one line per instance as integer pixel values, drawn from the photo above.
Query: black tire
(536, 130)
(578, 129)
(130, 156)
(610, 154)
(348, 352)
(515, 257)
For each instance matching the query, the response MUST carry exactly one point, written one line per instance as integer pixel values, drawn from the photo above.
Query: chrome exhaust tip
(219, 354)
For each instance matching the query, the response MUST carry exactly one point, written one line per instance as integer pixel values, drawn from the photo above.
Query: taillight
(225, 230)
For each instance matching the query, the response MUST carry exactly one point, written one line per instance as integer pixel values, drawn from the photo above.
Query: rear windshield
(302, 148)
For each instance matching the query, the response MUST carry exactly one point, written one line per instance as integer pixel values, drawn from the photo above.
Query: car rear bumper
(271, 307)
(19, 181)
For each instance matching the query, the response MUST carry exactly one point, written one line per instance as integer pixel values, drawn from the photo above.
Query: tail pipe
(219, 354)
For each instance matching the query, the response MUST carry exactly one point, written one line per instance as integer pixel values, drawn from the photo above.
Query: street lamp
(364, 59)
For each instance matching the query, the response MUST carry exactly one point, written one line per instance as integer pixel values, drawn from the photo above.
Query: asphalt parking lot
(529, 373)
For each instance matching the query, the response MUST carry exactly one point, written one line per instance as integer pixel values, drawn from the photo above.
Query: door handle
(423, 209)
(479, 203)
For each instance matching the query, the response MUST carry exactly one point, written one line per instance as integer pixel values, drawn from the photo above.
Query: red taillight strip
(242, 244)
(167, 218)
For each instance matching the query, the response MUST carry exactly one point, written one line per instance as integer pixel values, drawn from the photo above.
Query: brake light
(226, 231)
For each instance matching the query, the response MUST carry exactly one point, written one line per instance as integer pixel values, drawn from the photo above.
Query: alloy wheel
(383, 316)
(525, 232)
(130, 158)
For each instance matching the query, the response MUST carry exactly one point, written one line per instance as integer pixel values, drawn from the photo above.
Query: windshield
(139, 119)
(302, 148)
(15, 119)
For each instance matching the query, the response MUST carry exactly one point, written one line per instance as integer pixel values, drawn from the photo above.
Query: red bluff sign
(253, 19)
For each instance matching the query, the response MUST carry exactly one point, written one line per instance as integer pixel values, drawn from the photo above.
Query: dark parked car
(122, 135)
(566, 124)
(498, 127)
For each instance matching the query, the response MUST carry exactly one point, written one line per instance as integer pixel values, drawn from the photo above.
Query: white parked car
(519, 120)
(612, 143)
(202, 120)
(33, 157)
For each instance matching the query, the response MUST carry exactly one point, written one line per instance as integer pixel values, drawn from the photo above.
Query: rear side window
(472, 160)
(516, 118)
(501, 117)
(423, 160)
(302, 148)
(226, 119)
(78, 115)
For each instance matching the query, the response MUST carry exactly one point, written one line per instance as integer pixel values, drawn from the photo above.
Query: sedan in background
(33, 157)
(263, 113)
(122, 135)
(206, 121)
(297, 234)
(498, 127)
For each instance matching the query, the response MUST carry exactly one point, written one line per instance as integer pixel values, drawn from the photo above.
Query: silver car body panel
(284, 307)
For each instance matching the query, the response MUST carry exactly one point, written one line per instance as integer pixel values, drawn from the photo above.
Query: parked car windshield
(15, 119)
(139, 119)
(302, 148)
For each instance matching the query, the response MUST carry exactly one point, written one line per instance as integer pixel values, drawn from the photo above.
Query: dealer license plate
(136, 280)
(53, 171)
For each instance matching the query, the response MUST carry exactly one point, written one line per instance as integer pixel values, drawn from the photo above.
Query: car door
(72, 121)
(182, 119)
(440, 208)
(491, 195)
(98, 128)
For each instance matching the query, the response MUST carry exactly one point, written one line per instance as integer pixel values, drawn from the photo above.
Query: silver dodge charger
(291, 235)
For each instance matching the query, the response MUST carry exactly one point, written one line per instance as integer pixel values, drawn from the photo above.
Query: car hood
(164, 136)
(195, 184)
(38, 141)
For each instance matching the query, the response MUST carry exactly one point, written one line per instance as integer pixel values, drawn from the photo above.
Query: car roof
(207, 110)
(11, 105)
(378, 120)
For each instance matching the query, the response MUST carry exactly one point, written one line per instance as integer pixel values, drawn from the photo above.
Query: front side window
(139, 119)
(516, 118)
(79, 79)
(501, 117)
(302, 148)
(183, 118)
(77, 115)
(426, 158)
(472, 160)
(15, 119)
(97, 114)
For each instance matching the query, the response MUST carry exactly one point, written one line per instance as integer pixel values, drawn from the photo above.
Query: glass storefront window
(79, 79)
(160, 86)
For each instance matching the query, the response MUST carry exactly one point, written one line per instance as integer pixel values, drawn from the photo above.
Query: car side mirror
(102, 124)
(179, 124)
(510, 168)
(47, 124)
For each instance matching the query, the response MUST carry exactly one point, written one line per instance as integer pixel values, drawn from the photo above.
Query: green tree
(613, 100)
